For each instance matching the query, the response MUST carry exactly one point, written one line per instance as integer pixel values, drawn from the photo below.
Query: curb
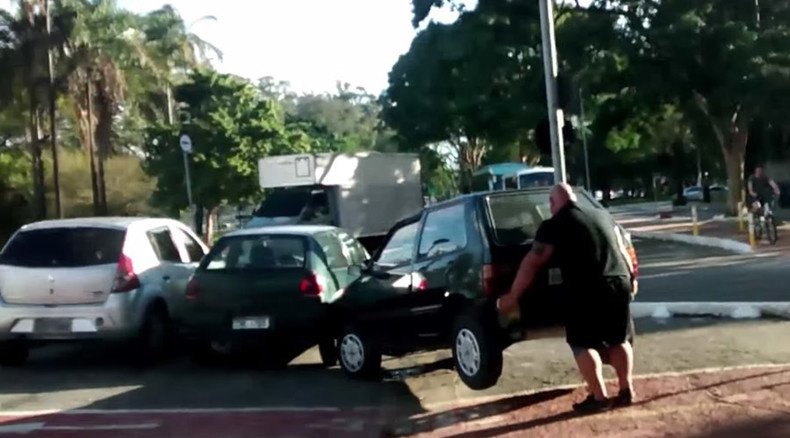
(713, 242)
(736, 310)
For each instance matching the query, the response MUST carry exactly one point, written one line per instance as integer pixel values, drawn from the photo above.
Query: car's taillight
(491, 276)
(312, 285)
(193, 290)
(125, 278)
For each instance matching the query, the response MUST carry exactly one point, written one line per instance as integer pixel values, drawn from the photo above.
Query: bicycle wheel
(758, 230)
(770, 231)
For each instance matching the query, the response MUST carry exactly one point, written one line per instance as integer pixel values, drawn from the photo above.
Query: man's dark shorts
(601, 317)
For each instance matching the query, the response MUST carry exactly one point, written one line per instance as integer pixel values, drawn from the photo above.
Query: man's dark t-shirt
(595, 275)
(762, 187)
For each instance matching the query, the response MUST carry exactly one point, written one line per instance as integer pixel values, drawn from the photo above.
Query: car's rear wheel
(154, 337)
(327, 348)
(477, 350)
(13, 353)
(360, 357)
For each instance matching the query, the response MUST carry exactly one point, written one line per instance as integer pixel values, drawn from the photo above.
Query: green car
(267, 291)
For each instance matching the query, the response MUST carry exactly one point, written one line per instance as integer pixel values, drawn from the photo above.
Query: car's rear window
(256, 252)
(515, 217)
(64, 247)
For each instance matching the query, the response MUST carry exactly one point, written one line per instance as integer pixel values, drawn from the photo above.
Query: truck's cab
(296, 205)
(364, 193)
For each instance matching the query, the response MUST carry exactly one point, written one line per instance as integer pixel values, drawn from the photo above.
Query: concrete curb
(736, 310)
(714, 242)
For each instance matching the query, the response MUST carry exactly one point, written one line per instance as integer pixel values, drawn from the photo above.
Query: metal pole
(52, 131)
(556, 118)
(189, 179)
(584, 142)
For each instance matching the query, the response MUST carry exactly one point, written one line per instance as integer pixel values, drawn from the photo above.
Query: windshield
(516, 216)
(288, 202)
(256, 252)
(64, 248)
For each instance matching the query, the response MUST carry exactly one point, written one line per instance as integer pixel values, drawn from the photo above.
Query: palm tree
(99, 59)
(174, 49)
(23, 55)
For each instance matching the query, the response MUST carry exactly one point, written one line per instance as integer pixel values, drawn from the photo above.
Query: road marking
(24, 428)
(733, 309)
(466, 402)
(249, 410)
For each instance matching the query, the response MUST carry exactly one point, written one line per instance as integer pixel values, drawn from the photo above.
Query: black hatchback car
(434, 282)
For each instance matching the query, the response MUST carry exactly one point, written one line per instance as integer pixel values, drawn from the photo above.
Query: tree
(473, 85)
(232, 126)
(727, 61)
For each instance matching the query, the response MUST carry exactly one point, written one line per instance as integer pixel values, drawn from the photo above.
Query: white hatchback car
(95, 278)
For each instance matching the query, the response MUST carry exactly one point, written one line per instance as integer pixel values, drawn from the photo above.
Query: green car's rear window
(256, 252)
(516, 216)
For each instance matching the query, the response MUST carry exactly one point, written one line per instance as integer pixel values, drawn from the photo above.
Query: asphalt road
(671, 272)
(180, 398)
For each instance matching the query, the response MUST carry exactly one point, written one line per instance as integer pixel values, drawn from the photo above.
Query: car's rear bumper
(111, 320)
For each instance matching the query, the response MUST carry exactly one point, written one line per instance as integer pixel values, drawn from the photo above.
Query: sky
(310, 43)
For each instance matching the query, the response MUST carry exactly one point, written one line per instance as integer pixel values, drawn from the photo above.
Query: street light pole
(550, 71)
(584, 142)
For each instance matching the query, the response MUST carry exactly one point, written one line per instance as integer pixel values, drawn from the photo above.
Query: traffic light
(543, 135)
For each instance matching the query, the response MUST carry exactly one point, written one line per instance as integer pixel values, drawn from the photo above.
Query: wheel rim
(467, 352)
(352, 353)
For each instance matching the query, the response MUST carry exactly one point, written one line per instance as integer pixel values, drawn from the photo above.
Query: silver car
(97, 278)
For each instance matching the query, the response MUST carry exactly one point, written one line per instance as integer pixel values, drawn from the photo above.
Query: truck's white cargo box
(374, 189)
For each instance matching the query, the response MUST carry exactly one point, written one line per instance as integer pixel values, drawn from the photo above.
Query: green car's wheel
(360, 357)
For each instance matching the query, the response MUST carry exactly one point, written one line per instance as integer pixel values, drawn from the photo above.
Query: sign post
(186, 147)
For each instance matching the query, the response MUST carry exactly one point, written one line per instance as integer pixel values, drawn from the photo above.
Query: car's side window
(356, 252)
(162, 242)
(193, 248)
(399, 249)
(444, 231)
(336, 257)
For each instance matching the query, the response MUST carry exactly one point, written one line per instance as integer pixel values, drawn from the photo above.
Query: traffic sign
(186, 144)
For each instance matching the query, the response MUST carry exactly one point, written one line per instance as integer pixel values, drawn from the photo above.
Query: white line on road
(735, 309)
(165, 411)
(23, 428)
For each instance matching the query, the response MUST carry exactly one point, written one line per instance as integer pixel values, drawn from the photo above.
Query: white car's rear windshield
(64, 247)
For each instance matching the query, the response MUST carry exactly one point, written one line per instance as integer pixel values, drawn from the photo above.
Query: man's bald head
(560, 196)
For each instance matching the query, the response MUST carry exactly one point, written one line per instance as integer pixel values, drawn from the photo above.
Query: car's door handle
(166, 278)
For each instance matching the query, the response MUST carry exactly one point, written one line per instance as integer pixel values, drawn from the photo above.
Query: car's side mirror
(355, 270)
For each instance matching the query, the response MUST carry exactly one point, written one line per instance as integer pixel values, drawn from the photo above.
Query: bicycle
(765, 222)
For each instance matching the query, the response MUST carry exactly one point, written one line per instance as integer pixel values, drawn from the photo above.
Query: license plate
(251, 323)
(53, 325)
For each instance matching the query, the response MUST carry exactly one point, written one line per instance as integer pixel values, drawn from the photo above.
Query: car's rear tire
(154, 338)
(477, 350)
(327, 348)
(13, 353)
(360, 356)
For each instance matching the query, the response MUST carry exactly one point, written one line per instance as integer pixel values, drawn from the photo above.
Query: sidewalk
(721, 229)
(748, 402)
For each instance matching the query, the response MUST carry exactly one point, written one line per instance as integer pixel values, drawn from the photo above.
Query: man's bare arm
(750, 187)
(774, 186)
(534, 260)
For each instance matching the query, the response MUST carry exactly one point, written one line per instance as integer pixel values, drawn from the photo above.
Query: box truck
(364, 193)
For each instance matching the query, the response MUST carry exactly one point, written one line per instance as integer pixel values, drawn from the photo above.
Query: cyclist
(762, 189)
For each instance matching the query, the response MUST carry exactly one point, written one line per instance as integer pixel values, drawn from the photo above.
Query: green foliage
(232, 126)
(129, 188)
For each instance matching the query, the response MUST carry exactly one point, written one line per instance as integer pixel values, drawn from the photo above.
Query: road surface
(93, 391)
